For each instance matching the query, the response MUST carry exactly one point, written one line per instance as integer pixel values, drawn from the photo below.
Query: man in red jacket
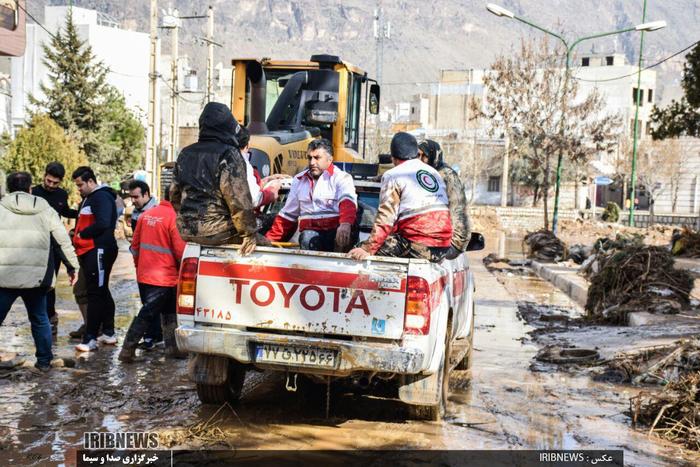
(157, 249)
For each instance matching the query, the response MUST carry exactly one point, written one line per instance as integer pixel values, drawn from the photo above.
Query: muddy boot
(138, 328)
(169, 324)
(78, 333)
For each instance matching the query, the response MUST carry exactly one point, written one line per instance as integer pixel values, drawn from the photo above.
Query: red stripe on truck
(293, 275)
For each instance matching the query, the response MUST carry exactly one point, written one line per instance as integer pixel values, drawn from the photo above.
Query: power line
(35, 20)
(425, 83)
(643, 69)
(179, 94)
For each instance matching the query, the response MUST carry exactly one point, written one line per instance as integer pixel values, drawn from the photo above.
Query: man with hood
(27, 225)
(413, 220)
(210, 190)
(97, 250)
(430, 153)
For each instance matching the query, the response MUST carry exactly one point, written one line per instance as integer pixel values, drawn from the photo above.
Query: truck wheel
(229, 391)
(466, 362)
(436, 413)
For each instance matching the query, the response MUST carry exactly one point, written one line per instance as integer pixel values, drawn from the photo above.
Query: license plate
(295, 356)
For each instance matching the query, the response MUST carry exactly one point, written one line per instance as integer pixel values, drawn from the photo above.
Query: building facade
(125, 53)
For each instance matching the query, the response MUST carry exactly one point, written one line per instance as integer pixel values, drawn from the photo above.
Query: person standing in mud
(210, 190)
(97, 250)
(413, 220)
(430, 153)
(27, 224)
(57, 197)
(157, 249)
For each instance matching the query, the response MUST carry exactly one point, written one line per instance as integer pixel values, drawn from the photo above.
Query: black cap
(404, 146)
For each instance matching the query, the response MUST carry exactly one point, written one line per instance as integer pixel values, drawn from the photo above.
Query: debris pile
(580, 253)
(686, 243)
(661, 364)
(544, 245)
(635, 278)
(673, 414)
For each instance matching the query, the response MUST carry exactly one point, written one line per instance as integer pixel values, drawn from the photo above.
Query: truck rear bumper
(353, 356)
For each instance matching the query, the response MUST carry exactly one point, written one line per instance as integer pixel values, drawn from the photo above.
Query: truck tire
(466, 362)
(229, 391)
(435, 413)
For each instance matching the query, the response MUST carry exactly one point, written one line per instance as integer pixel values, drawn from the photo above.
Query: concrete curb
(576, 287)
(565, 279)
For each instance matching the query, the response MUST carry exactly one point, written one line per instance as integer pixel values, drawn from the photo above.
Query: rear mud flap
(421, 389)
(208, 369)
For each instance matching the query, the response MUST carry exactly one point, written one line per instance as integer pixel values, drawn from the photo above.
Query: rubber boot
(169, 324)
(138, 328)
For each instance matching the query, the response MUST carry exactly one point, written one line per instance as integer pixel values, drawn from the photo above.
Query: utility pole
(382, 30)
(210, 54)
(151, 149)
(174, 88)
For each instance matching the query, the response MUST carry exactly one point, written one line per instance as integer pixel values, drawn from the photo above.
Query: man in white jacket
(27, 224)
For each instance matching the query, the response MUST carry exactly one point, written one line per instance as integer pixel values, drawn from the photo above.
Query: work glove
(342, 236)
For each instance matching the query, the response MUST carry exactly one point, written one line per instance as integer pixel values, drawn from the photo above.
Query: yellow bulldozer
(286, 104)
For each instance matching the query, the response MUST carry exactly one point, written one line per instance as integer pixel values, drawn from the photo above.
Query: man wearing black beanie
(413, 219)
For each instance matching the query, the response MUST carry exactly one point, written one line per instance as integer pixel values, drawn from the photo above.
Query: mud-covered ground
(501, 404)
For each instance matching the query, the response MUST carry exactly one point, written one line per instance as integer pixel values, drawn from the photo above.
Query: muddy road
(503, 404)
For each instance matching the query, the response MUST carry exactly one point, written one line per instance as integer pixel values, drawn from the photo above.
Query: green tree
(79, 99)
(40, 142)
(681, 117)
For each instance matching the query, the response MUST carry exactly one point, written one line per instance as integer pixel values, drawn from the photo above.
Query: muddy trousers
(154, 329)
(400, 247)
(158, 303)
(51, 295)
(97, 266)
(35, 302)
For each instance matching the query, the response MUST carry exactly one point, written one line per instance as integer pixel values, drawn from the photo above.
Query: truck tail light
(187, 286)
(418, 306)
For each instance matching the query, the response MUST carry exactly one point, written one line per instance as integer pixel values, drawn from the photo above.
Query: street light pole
(639, 95)
(502, 12)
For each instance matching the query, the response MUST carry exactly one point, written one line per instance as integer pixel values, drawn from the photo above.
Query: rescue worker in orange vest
(413, 219)
(322, 201)
(157, 249)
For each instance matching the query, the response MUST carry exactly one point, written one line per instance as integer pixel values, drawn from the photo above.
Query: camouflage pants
(399, 247)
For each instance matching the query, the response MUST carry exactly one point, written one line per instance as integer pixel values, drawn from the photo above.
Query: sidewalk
(575, 286)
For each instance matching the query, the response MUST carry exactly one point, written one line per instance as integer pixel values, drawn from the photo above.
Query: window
(352, 122)
(649, 128)
(610, 61)
(637, 94)
(494, 184)
(650, 97)
(585, 61)
(9, 15)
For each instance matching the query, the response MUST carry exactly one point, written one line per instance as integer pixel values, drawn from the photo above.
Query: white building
(599, 72)
(125, 53)
(5, 96)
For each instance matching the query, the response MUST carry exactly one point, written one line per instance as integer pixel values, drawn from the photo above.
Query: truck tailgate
(301, 291)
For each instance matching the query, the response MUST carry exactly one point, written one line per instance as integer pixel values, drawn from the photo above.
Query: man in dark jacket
(430, 152)
(96, 248)
(57, 198)
(210, 190)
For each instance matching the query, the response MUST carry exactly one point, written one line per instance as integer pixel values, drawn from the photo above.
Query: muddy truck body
(404, 324)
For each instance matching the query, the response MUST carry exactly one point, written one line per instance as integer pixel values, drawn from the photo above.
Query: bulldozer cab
(286, 104)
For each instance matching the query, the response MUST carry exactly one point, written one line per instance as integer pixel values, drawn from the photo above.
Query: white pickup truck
(407, 322)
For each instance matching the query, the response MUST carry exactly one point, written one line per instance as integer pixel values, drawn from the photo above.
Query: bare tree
(523, 100)
(659, 169)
